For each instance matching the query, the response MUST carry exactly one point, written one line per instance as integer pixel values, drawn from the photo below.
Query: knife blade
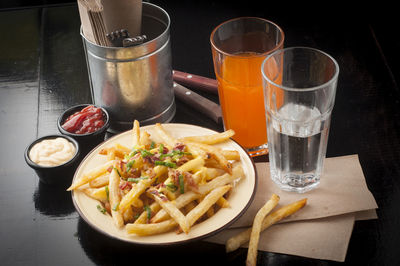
(198, 102)
(195, 81)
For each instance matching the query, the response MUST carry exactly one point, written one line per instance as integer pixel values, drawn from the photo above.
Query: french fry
(191, 165)
(145, 139)
(236, 241)
(151, 229)
(143, 217)
(256, 229)
(137, 203)
(99, 194)
(86, 178)
(111, 154)
(167, 138)
(180, 202)
(216, 154)
(237, 173)
(210, 212)
(140, 187)
(128, 215)
(196, 151)
(171, 141)
(100, 181)
(223, 203)
(206, 203)
(118, 151)
(186, 198)
(210, 139)
(136, 134)
(121, 150)
(173, 211)
(115, 198)
(212, 173)
(231, 155)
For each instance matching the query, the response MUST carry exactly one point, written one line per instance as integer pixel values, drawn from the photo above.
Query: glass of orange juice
(239, 47)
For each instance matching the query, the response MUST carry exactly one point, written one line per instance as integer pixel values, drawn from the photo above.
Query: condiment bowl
(86, 141)
(55, 175)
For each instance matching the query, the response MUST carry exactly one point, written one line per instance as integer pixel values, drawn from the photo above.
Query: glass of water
(299, 94)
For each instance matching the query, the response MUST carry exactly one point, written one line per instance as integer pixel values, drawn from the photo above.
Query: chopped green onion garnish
(136, 179)
(171, 187)
(146, 153)
(107, 193)
(131, 154)
(148, 210)
(152, 145)
(129, 165)
(181, 184)
(101, 209)
(167, 164)
(161, 148)
(174, 153)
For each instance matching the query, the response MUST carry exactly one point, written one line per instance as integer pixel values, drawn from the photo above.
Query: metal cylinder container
(134, 82)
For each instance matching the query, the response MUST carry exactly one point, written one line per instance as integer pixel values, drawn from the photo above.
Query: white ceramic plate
(239, 199)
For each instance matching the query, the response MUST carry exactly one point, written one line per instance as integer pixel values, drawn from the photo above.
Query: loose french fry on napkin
(236, 241)
(256, 229)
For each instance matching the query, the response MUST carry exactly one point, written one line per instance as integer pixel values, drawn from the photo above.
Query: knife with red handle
(198, 102)
(195, 81)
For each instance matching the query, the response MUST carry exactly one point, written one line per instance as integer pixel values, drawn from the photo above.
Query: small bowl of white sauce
(54, 158)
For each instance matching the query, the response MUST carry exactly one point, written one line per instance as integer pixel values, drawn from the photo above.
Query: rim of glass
(255, 55)
(331, 80)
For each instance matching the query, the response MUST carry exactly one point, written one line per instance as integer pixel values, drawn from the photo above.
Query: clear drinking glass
(239, 46)
(299, 92)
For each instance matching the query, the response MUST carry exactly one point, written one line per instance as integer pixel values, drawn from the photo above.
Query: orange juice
(241, 97)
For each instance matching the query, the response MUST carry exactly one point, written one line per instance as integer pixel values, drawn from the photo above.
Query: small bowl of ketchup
(86, 123)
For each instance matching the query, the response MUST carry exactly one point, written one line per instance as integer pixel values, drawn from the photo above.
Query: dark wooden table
(43, 71)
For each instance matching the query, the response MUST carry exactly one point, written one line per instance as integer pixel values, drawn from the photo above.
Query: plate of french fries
(164, 184)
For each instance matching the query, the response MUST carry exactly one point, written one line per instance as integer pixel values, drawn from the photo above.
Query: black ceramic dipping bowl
(86, 141)
(60, 175)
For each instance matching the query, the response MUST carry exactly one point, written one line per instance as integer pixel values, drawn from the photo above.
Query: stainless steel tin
(135, 82)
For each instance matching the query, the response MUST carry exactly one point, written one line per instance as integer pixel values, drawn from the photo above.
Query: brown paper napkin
(324, 238)
(342, 190)
(322, 229)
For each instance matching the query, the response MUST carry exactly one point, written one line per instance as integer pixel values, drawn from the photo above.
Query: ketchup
(88, 120)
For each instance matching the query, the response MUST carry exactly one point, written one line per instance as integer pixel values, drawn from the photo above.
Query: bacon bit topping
(152, 159)
(134, 173)
(179, 146)
(184, 159)
(165, 150)
(158, 194)
(174, 174)
(190, 181)
(125, 185)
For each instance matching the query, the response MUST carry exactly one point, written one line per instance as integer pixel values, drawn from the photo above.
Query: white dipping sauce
(52, 152)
